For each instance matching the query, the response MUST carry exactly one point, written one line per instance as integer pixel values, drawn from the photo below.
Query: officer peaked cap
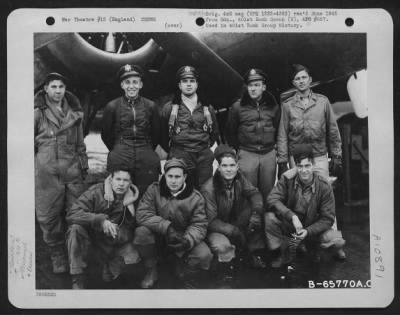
(254, 75)
(129, 71)
(187, 72)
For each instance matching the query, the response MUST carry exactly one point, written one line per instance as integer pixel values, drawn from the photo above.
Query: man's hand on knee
(298, 226)
(301, 235)
(110, 229)
(183, 245)
(173, 237)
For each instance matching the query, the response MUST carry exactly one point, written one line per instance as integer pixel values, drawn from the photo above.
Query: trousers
(199, 164)
(259, 169)
(149, 245)
(225, 251)
(142, 162)
(278, 233)
(79, 239)
(52, 198)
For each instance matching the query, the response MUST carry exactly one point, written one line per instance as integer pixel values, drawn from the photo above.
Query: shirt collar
(299, 96)
(132, 101)
(297, 183)
(191, 102)
(180, 191)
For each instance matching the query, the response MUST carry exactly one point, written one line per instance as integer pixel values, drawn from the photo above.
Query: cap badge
(128, 68)
(252, 72)
(187, 69)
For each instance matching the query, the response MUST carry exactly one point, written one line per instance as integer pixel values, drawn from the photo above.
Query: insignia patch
(178, 130)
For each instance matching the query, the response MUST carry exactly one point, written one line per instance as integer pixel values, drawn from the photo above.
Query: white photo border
(23, 23)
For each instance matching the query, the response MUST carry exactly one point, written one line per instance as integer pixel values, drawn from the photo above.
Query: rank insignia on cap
(252, 72)
(128, 68)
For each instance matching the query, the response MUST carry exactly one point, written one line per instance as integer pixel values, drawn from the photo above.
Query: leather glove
(335, 166)
(282, 168)
(183, 245)
(173, 237)
(255, 222)
(238, 238)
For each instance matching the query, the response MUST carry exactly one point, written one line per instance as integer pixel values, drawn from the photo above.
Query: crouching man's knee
(143, 236)
(129, 253)
(332, 238)
(221, 247)
(76, 231)
(200, 256)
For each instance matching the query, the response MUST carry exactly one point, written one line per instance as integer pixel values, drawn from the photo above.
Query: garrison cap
(175, 162)
(187, 72)
(297, 68)
(55, 76)
(302, 151)
(130, 70)
(224, 150)
(254, 75)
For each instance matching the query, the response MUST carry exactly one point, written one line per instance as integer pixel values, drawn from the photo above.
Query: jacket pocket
(316, 130)
(268, 135)
(72, 136)
(247, 134)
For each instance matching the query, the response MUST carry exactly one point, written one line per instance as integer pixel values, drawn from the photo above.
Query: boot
(277, 262)
(340, 254)
(291, 254)
(226, 273)
(189, 277)
(150, 278)
(337, 249)
(59, 259)
(78, 282)
(255, 261)
(107, 275)
(116, 266)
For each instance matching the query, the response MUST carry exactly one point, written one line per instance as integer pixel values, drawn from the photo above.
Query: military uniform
(251, 129)
(86, 218)
(313, 204)
(189, 134)
(130, 130)
(309, 120)
(60, 167)
(158, 211)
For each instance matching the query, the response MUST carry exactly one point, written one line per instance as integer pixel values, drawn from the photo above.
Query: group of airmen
(270, 191)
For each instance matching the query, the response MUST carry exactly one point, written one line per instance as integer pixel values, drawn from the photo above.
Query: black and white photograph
(174, 160)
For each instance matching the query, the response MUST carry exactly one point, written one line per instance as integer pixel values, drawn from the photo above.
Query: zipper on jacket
(134, 123)
(259, 120)
(123, 216)
(56, 149)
